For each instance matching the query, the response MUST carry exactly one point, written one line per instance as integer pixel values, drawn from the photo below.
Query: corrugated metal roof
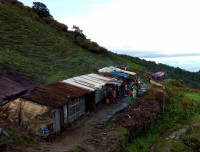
(105, 74)
(54, 95)
(99, 77)
(89, 82)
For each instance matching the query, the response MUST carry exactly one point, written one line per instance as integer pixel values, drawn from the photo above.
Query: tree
(41, 9)
(78, 32)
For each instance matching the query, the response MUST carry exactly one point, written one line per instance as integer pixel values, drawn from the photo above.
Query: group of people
(111, 95)
(130, 89)
(134, 87)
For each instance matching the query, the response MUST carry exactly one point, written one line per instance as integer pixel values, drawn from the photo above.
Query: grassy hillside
(32, 47)
(182, 113)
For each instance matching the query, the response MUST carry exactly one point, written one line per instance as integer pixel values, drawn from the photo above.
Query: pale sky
(164, 26)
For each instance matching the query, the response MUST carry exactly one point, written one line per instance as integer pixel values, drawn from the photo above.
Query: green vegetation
(20, 138)
(41, 9)
(34, 48)
(193, 96)
(184, 109)
(122, 134)
(178, 145)
(75, 149)
(192, 137)
(78, 32)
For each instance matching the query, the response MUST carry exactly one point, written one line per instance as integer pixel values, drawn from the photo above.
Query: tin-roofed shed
(52, 105)
(94, 83)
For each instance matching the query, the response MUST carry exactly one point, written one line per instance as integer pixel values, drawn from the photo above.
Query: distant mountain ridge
(185, 61)
(153, 54)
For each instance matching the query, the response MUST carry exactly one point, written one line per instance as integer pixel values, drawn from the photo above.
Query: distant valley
(189, 62)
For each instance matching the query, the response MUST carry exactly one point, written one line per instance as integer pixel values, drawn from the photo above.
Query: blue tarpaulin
(155, 75)
(120, 74)
(159, 74)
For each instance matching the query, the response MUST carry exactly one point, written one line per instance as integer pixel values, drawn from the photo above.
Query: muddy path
(174, 134)
(80, 134)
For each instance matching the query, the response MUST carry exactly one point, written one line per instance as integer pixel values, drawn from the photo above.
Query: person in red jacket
(129, 93)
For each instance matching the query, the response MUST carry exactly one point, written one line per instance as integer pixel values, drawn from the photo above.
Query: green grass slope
(165, 134)
(34, 48)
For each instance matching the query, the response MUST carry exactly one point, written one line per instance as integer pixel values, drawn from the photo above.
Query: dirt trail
(80, 134)
(170, 136)
(83, 133)
(156, 83)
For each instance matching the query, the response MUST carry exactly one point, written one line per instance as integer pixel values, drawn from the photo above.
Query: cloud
(154, 54)
(156, 25)
(190, 63)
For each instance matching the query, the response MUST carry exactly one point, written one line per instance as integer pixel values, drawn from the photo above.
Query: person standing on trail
(122, 88)
(149, 79)
(138, 83)
(114, 95)
(126, 88)
(129, 92)
(110, 94)
(131, 84)
(134, 92)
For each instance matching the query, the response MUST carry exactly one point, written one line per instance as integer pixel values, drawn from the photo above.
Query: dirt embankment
(13, 82)
(135, 118)
(144, 112)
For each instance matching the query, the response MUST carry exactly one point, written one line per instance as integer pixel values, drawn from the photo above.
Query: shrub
(41, 9)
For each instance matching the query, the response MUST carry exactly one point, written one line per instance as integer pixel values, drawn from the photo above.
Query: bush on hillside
(27, 8)
(89, 45)
(41, 9)
(56, 24)
(102, 49)
(177, 83)
(15, 2)
(78, 32)
(60, 26)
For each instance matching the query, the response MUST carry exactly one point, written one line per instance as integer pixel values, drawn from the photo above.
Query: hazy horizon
(189, 62)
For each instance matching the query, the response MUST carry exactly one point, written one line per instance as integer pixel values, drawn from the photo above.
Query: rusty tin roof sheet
(54, 95)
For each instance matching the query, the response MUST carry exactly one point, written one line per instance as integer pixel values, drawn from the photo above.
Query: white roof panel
(75, 83)
(110, 69)
(89, 82)
(100, 77)
(107, 69)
